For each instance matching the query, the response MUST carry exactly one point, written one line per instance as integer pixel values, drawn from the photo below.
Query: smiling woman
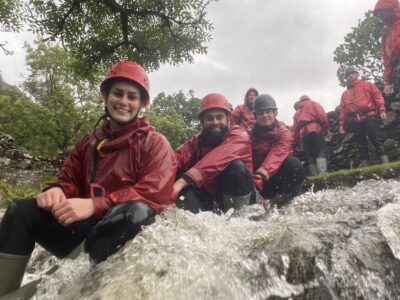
(114, 181)
(123, 103)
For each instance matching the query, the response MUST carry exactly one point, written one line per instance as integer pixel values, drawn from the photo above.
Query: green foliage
(10, 17)
(98, 33)
(62, 109)
(171, 125)
(361, 48)
(185, 105)
(12, 192)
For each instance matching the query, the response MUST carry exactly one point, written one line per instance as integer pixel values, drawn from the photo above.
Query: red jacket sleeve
(71, 176)
(322, 116)
(236, 145)
(157, 175)
(295, 128)
(280, 150)
(342, 112)
(377, 97)
(184, 154)
(387, 74)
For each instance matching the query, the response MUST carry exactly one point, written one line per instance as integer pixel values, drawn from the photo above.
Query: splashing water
(335, 244)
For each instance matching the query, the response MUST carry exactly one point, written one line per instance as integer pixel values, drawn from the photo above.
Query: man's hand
(383, 116)
(388, 89)
(258, 181)
(72, 210)
(179, 185)
(49, 198)
(341, 130)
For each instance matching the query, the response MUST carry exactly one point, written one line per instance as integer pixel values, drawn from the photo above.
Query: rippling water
(334, 244)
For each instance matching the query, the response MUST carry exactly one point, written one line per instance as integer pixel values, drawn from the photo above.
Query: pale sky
(281, 47)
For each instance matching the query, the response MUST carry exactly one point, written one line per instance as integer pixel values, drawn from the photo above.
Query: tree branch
(61, 23)
(5, 51)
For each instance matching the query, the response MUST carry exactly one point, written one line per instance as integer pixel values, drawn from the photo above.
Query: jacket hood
(388, 4)
(248, 91)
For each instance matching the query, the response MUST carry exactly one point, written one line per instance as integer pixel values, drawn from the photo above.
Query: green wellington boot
(236, 202)
(12, 271)
(322, 165)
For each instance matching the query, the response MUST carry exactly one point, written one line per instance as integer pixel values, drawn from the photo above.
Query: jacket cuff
(195, 176)
(101, 206)
(263, 173)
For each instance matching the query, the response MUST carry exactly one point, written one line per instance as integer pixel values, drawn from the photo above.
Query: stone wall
(18, 167)
(343, 151)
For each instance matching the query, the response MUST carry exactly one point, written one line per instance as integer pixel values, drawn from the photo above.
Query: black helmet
(350, 70)
(264, 101)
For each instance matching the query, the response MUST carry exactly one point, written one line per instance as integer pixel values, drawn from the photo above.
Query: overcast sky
(281, 47)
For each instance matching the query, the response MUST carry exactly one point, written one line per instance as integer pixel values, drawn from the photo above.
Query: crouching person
(114, 181)
(277, 174)
(214, 165)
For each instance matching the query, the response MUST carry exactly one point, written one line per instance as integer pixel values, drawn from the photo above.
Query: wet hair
(109, 83)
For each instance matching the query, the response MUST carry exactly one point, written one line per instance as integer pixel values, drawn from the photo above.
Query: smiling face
(123, 103)
(214, 121)
(266, 117)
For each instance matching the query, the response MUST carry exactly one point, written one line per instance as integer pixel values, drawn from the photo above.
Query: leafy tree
(62, 108)
(179, 102)
(361, 48)
(171, 125)
(71, 104)
(100, 32)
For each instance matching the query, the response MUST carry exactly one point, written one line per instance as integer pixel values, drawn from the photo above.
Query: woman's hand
(72, 210)
(49, 198)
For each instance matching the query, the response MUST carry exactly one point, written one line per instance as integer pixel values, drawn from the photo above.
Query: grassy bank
(352, 177)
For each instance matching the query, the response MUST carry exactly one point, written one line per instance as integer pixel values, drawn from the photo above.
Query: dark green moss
(352, 177)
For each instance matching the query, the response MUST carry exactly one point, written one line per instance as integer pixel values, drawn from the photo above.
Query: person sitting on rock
(361, 110)
(277, 174)
(214, 166)
(114, 181)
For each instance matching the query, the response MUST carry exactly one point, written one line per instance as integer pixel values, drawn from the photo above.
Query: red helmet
(215, 100)
(304, 97)
(132, 71)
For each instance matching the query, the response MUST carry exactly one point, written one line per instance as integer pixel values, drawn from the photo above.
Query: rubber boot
(12, 271)
(364, 163)
(322, 165)
(312, 168)
(384, 158)
(236, 202)
(189, 202)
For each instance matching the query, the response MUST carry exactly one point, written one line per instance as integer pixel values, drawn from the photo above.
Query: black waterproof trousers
(24, 223)
(314, 146)
(287, 181)
(370, 128)
(235, 180)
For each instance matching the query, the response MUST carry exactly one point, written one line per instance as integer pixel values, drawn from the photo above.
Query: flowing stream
(334, 244)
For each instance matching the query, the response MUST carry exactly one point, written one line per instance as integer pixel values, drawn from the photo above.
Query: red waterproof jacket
(242, 115)
(137, 163)
(390, 39)
(203, 162)
(309, 117)
(361, 98)
(271, 148)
